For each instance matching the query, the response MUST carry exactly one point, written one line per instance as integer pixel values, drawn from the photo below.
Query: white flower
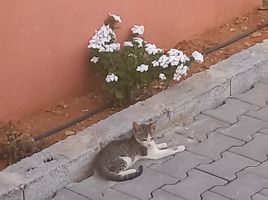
(163, 61)
(110, 47)
(102, 38)
(176, 77)
(115, 46)
(184, 70)
(139, 41)
(174, 60)
(174, 52)
(162, 76)
(94, 59)
(184, 58)
(181, 70)
(128, 44)
(142, 68)
(116, 17)
(136, 29)
(155, 63)
(198, 56)
(111, 77)
(152, 49)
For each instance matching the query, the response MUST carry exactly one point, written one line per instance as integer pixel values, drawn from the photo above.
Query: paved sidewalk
(226, 158)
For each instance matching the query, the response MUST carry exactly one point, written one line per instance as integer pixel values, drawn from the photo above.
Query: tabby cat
(113, 162)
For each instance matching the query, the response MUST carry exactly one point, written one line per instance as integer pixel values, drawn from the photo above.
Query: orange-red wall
(43, 44)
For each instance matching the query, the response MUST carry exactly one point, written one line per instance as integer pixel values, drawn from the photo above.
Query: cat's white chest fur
(129, 161)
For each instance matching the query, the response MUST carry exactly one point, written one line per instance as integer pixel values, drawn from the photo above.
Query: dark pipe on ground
(102, 108)
(71, 122)
(235, 38)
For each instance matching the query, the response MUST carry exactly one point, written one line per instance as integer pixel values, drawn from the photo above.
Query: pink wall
(43, 44)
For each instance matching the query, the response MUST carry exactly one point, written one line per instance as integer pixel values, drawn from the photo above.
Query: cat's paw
(179, 148)
(161, 146)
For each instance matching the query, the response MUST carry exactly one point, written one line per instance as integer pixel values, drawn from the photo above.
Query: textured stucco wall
(43, 44)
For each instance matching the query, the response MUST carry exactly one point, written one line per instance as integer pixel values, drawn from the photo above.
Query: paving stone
(92, 187)
(194, 185)
(228, 165)
(256, 95)
(142, 186)
(259, 197)
(264, 131)
(149, 163)
(172, 138)
(261, 170)
(244, 128)
(231, 110)
(208, 195)
(262, 195)
(213, 146)
(201, 127)
(256, 149)
(163, 195)
(242, 188)
(66, 194)
(180, 164)
(111, 194)
(264, 191)
(264, 80)
(260, 114)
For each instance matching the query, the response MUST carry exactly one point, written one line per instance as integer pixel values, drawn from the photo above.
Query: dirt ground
(15, 137)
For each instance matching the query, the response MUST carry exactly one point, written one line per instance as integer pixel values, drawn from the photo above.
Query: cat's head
(144, 133)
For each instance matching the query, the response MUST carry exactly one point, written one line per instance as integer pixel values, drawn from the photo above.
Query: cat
(113, 162)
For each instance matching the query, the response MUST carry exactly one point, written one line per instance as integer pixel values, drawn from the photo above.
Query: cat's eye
(144, 140)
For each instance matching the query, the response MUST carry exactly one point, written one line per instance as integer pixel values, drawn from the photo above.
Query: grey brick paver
(242, 188)
(261, 170)
(228, 166)
(262, 195)
(264, 80)
(255, 96)
(213, 146)
(244, 128)
(163, 195)
(92, 187)
(231, 110)
(259, 197)
(180, 164)
(260, 114)
(66, 194)
(198, 131)
(256, 149)
(264, 131)
(264, 191)
(194, 185)
(111, 194)
(172, 138)
(208, 195)
(142, 186)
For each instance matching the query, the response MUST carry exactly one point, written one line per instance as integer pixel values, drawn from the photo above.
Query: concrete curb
(38, 177)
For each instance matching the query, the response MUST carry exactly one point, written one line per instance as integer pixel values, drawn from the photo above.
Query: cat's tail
(117, 177)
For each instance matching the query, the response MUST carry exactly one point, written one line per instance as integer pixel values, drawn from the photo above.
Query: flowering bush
(136, 64)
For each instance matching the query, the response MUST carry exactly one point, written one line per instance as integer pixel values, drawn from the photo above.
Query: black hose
(71, 122)
(235, 38)
(102, 108)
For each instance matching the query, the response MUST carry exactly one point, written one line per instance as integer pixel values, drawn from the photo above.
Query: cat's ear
(152, 127)
(136, 127)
